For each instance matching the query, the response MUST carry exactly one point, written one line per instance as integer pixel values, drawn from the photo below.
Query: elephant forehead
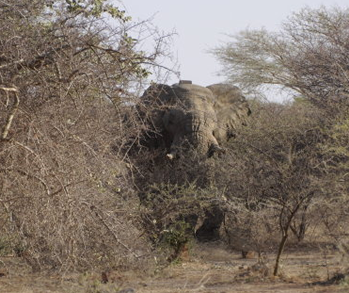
(191, 87)
(192, 91)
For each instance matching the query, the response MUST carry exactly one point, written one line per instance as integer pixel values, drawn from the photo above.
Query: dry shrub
(332, 220)
(269, 172)
(250, 229)
(66, 197)
(173, 213)
(66, 194)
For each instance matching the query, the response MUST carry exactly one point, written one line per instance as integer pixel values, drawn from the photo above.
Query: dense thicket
(66, 72)
(77, 189)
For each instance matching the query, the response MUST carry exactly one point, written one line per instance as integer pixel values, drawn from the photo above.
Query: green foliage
(96, 8)
(177, 234)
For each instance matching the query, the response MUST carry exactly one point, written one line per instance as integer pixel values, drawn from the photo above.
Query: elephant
(187, 116)
(182, 118)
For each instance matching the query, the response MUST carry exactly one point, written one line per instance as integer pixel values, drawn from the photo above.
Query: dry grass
(211, 268)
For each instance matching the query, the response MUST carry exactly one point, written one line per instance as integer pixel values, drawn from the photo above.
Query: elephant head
(231, 109)
(187, 116)
(182, 116)
(191, 120)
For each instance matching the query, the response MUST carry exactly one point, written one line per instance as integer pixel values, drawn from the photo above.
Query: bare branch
(13, 110)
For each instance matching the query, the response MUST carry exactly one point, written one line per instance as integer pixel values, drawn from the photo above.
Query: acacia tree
(308, 56)
(66, 70)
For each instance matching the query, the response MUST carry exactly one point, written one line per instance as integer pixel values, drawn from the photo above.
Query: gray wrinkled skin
(231, 109)
(187, 116)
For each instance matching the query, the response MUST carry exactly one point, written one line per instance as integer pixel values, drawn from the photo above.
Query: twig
(12, 112)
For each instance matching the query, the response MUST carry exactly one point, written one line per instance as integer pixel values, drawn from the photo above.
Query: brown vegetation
(81, 190)
(288, 163)
(67, 200)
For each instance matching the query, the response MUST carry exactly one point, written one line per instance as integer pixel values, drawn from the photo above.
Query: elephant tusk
(170, 156)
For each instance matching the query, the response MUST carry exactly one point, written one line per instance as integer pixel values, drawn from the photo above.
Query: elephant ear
(231, 109)
(157, 95)
(152, 104)
(151, 107)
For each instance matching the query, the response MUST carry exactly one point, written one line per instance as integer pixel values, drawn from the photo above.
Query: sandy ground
(210, 268)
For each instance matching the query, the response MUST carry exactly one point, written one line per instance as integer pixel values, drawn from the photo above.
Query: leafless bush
(250, 229)
(68, 192)
(66, 73)
(271, 169)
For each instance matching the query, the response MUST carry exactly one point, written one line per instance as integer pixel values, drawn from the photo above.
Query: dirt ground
(210, 268)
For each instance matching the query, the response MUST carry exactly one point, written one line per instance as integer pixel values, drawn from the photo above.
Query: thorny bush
(66, 73)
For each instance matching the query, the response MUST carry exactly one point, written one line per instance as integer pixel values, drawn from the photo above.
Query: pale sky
(203, 24)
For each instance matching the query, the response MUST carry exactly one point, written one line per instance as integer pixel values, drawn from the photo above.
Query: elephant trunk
(197, 134)
(215, 148)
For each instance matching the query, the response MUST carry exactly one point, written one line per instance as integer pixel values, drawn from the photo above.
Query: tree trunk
(284, 230)
(280, 250)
